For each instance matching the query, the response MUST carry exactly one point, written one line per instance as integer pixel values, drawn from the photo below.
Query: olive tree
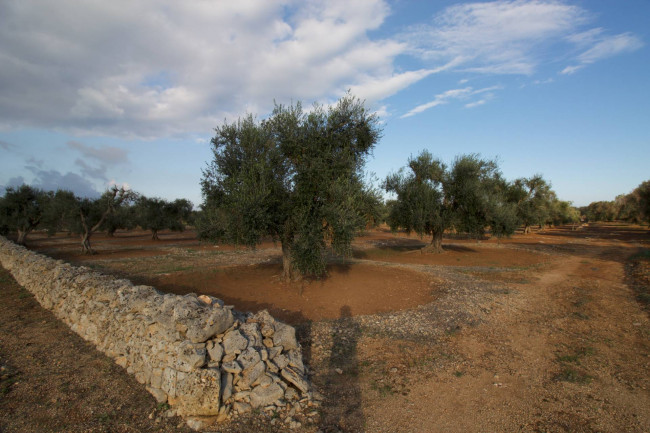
(22, 210)
(469, 196)
(85, 216)
(534, 199)
(157, 214)
(295, 177)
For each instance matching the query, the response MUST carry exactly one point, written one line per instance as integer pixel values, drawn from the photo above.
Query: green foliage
(601, 211)
(431, 198)
(84, 216)
(295, 177)
(123, 217)
(22, 210)
(643, 194)
(561, 212)
(633, 207)
(534, 199)
(157, 214)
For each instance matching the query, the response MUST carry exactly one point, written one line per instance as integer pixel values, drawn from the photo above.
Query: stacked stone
(200, 356)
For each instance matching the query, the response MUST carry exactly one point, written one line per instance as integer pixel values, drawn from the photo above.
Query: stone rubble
(207, 361)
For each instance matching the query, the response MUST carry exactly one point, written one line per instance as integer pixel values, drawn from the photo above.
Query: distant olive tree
(534, 199)
(157, 214)
(85, 216)
(22, 210)
(469, 196)
(295, 177)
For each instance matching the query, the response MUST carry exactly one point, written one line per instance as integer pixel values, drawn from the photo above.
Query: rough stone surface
(263, 396)
(190, 351)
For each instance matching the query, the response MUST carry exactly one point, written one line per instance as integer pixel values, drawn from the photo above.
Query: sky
(97, 93)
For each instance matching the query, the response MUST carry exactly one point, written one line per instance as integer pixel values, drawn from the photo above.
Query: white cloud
(476, 104)
(571, 69)
(500, 37)
(610, 46)
(602, 47)
(158, 68)
(445, 97)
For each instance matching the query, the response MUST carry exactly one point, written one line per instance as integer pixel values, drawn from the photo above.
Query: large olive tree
(295, 177)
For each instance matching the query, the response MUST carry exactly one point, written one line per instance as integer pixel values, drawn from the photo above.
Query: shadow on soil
(342, 409)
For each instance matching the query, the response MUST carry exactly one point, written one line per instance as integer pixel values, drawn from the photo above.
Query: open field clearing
(545, 332)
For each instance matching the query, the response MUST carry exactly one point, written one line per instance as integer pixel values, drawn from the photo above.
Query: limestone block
(190, 356)
(249, 357)
(290, 375)
(215, 350)
(285, 336)
(251, 374)
(234, 341)
(263, 396)
(226, 386)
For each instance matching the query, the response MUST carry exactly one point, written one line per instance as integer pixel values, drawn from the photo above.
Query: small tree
(157, 214)
(295, 177)
(22, 210)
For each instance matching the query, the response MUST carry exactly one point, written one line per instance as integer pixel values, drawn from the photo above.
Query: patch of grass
(459, 373)
(576, 356)
(172, 269)
(163, 407)
(581, 316)
(568, 374)
(104, 418)
(384, 389)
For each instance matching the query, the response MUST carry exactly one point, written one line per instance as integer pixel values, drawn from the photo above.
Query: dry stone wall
(195, 353)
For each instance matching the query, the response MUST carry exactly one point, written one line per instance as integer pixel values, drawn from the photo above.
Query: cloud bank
(161, 68)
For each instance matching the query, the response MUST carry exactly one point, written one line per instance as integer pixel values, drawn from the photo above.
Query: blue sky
(100, 93)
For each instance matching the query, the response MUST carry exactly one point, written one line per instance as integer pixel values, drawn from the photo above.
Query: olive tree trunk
(436, 243)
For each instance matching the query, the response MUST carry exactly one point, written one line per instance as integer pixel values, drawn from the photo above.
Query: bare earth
(541, 333)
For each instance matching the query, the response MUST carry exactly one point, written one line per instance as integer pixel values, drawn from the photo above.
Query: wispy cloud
(458, 94)
(602, 47)
(514, 37)
(476, 104)
(500, 37)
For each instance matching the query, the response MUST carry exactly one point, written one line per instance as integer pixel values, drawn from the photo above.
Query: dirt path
(568, 353)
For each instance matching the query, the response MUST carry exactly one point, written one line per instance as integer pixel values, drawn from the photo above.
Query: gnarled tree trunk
(436, 243)
(154, 235)
(85, 243)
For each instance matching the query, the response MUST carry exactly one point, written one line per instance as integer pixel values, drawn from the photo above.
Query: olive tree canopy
(295, 177)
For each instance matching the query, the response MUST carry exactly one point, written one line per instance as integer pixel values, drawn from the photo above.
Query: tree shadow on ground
(342, 409)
